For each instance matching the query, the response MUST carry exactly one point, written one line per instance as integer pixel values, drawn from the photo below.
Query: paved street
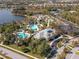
(2, 57)
(73, 55)
(12, 54)
(74, 49)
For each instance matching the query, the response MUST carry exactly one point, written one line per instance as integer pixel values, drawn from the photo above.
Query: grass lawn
(15, 47)
(36, 55)
(77, 52)
(20, 49)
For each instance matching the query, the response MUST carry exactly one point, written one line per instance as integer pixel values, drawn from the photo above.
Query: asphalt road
(12, 54)
(73, 55)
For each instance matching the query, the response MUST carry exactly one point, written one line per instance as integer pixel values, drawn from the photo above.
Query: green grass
(15, 47)
(77, 52)
(15, 51)
(20, 49)
(36, 55)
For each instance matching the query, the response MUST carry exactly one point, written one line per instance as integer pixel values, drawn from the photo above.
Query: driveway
(12, 54)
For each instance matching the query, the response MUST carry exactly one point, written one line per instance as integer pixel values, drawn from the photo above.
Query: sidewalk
(18, 51)
(2, 57)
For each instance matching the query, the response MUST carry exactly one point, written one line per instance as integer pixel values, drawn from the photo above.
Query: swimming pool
(23, 35)
(34, 27)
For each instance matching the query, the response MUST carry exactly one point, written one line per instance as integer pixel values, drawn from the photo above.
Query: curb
(18, 51)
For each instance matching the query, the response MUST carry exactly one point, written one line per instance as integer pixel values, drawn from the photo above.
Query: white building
(45, 34)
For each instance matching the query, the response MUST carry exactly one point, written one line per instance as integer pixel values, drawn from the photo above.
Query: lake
(6, 16)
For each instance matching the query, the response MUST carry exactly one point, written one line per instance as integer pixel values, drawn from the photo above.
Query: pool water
(34, 27)
(22, 35)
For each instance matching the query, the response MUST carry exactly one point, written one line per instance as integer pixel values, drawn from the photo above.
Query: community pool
(34, 27)
(23, 35)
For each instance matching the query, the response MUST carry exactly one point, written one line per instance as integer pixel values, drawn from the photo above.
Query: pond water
(6, 16)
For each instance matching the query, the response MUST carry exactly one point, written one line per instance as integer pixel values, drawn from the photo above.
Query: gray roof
(45, 34)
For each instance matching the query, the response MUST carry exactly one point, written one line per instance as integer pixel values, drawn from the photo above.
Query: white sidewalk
(2, 57)
(18, 51)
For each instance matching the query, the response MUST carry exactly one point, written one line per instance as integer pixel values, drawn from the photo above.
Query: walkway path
(15, 55)
(2, 57)
(12, 54)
